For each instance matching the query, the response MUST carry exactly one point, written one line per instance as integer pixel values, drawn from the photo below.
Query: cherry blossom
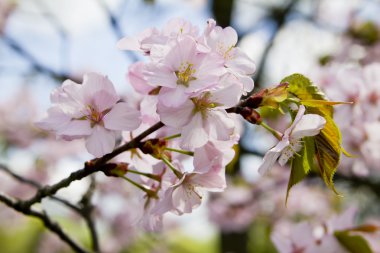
(203, 118)
(187, 193)
(291, 142)
(90, 111)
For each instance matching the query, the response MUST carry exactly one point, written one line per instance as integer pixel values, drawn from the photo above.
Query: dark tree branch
(87, 213)
(116, 28)
(89, 168)
(35, 64)
(279, 17)
(59, 28)
(51, 225)
(38, 186)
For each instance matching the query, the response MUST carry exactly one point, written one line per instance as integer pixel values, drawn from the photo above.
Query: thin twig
(87, 213)
(38, 186)
(116, 28)
(51, 225)
(279, 17)
(35, 64)
(90, 167)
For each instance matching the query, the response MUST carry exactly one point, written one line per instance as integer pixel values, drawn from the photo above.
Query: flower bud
(115, 169)
(250, 115)
(154, 147)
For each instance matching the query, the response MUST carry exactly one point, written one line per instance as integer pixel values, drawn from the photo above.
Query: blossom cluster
(357, 84)
(188, 82)
(337, 234)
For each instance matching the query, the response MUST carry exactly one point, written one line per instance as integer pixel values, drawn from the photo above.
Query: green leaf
(302, 164)
(328, 146)
(302, 88)
(353, 243)
(328, 150)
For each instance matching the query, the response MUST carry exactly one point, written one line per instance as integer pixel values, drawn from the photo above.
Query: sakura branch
(187, 108)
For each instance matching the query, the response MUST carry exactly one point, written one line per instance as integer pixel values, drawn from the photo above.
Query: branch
(87, 213)
(51, 225)
(36, 65)
(115, 25)
(38, 186)
(279, 17)
(89, 168)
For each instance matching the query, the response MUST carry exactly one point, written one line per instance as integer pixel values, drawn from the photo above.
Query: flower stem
(172, 136)
(294, 100)
(147, 191)
(275, 133)
(150, 175)
(185, 152)
(170, 165)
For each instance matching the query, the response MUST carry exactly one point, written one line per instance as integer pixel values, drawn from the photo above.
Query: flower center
(94, 116)
(293, 148)
(224, 51)
(185, 74)
(203, 103)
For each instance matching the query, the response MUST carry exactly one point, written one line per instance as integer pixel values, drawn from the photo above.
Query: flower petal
(173, 97)
(99, 91)
(230, 93)
(122, 117)
(194, 135)
(176, 116)
(100, 142)
(76, 128)
(271, 156)
(309, 125)
(184, 199)
(300, 113)
(240, 63)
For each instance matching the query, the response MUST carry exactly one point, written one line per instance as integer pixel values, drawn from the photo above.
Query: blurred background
(43, 42)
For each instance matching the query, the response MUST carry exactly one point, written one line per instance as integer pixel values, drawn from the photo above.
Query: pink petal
(100, 142)
(183, 52)
(54, 120)
(246, 81)
(122, 117)
(230, 93)
(240, 62)
(211, 181)
(176, 116)
(219, 124)
(137, 79)
(158, 74)
(271, 156)
(76, 128)
(193, 135)
(129, 43)
(300, 113)
(185, 200)
(173, 97)
(93, 83)
(308, 125)
(103, 100)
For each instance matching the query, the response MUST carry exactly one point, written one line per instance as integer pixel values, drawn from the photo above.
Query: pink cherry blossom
(183, 73)
(213, 156)
(203, 118)
(303, 125)
(143, 42)
(223, 42)
(187, 193)
(90, 111)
